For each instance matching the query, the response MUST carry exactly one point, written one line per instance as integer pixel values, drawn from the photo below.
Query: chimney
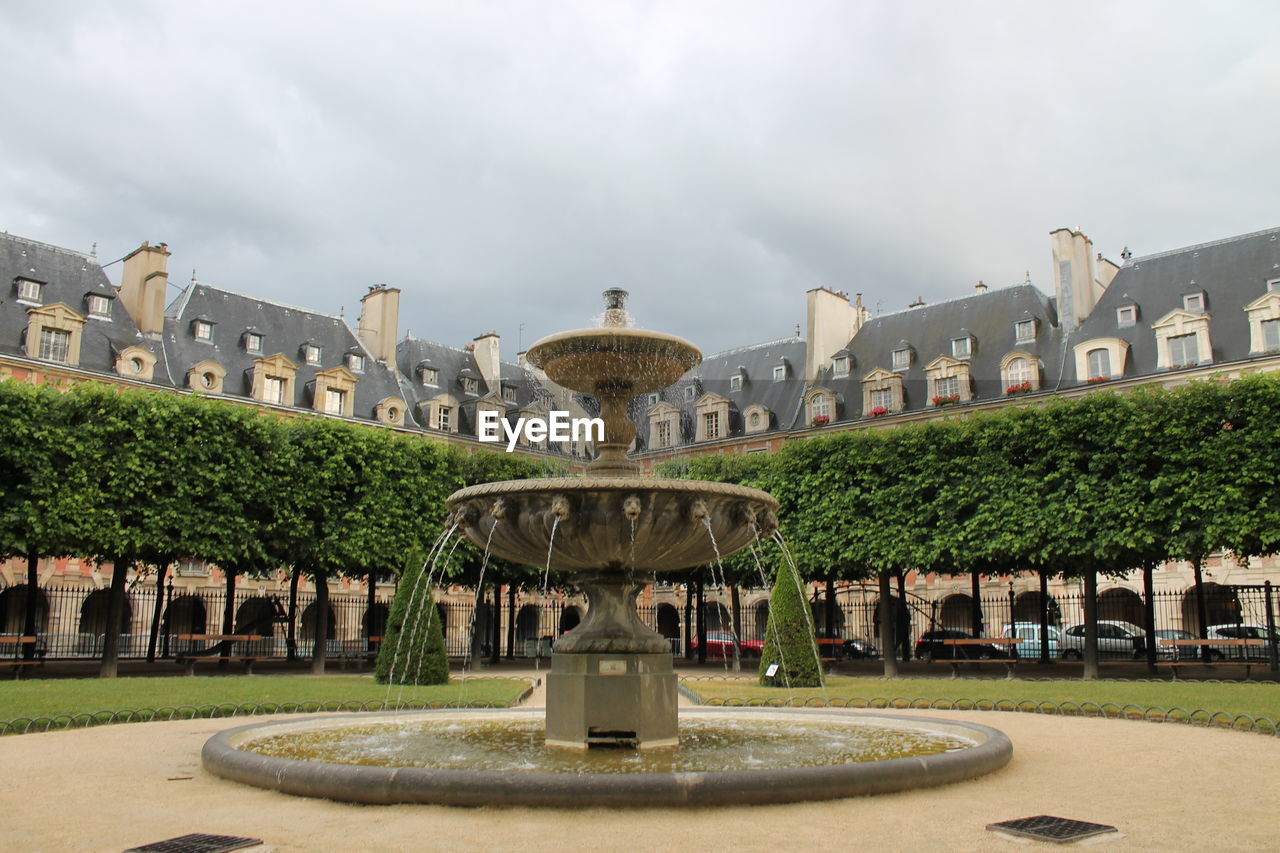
(1075, 282)
(831, 323)
(981, 286)
(486, 348)
(143, 286)
(379, 317)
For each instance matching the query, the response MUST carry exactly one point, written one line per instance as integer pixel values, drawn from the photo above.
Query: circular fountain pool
(750, 755)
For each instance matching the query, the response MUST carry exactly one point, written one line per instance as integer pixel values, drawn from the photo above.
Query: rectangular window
(690, 392)
(947, 387)
(961, 347)
(508, 393)
(1127, 315)
(822, 406)
(664, 433)
(469, 385)
(882, 398)
(28, 290)
(735, 382)
(1273, 285)
(901, 359)
(1271, 335)
(711, 425)
(780, 373)
(311, 353)
(355, 362)
(1024, 330)
(55, 345)
(335, 401)
(653, 399)
(1184, 350)
(203, 331)
(99, 306)
(252, 342)
(1098, 362)
(840, 367)
(430, 376)
(443, 416)
(1193, 301)
(273, 390)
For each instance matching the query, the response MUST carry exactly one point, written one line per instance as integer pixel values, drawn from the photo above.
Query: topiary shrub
(413, 649)
(788, 638)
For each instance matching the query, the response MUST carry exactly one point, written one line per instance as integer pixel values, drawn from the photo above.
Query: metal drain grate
(1046, 828)
(197, 843)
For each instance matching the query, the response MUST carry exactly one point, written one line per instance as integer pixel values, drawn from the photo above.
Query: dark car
(856, 649)
(720, 645)
(930, 646)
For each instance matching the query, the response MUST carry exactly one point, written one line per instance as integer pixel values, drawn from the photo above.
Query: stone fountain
(611, 680)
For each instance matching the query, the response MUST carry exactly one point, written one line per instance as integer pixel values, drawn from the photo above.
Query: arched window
(1019, 371)
(1099, 363)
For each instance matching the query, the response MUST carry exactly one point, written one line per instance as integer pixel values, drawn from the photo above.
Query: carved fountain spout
(611, 679)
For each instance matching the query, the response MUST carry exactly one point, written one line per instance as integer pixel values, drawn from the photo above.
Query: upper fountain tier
(614, 363)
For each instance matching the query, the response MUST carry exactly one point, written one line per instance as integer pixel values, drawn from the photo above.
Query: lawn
(1253, 699)
(49, 698)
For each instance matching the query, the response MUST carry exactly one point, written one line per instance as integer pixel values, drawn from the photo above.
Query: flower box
(878, 412)
(1097, 379)
(821, 420)
(949, 400)
(1019, 388)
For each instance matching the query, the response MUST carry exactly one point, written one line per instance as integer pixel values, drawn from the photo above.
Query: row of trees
(1105, 484)
(140, 479)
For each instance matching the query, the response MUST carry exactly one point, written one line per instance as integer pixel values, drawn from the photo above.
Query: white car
(1029, 633)
(1258, 651)
(1115, 639)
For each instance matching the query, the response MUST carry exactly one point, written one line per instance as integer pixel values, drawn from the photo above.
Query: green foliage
(413, 650)
(789, 638)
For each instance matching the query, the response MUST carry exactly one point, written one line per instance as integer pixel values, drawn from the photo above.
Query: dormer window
(203, 330)
(1024, 331)
(509, 393)
(1273, 286)
(55, 345)
(653, 399)
(901, 359)
(735, 382)
(253, 342)
(840, 366)
(1127, 315)
(1271, 335)
(1194, 301)
(962, 347)
(30, 291)
(355, 362)
(691, 392)
(311, 353)
(469, 385)
(428, 375)
(99, 306)
(444, 417)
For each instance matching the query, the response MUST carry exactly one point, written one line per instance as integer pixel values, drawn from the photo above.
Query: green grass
(1253, 699)
(49, 698)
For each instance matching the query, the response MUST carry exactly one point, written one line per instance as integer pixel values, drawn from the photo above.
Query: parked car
(1239, 632)
(1115, 639)
(1029, 633)
(855, 649)
(930, 646)
(720, 645)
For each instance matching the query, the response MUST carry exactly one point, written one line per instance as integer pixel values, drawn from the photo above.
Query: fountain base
(624, 700)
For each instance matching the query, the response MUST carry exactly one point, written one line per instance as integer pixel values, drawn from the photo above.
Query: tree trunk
(30, 628)
(115, 611)
(320, 650)
(1044, 616)
(1090, 625)
(369, 608)
(1202, 609)
(476, 640)
(291, 632)
(702, 624)
(511, 621)
(829, 615)
(887, 617)
(162, 570)
(976, 603)
(735, 614)
(228, 612)
(495, 634)
(1149, 615)
(688, 621)
(902, 629)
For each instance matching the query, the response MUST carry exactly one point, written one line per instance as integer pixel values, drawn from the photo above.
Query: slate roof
(989, 319)
(1232, 273)
(69, 277)
(284, 329)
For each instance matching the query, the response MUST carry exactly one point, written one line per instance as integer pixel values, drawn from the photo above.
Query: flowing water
(706, 745)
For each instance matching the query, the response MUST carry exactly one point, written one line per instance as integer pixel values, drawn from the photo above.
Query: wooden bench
(829, 648)
(1009, 662)
(357, 651)
(17, 663)
(187, 653)
(1212, 644)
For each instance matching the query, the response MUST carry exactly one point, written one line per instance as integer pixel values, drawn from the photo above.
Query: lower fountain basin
(640, 523)
(743, 756)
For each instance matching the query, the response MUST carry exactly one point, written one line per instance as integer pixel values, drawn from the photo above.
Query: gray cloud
(503, 162)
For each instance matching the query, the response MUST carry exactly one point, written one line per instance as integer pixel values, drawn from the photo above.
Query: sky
(503, 162)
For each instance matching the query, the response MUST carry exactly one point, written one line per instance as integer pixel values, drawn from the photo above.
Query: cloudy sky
(503, 162)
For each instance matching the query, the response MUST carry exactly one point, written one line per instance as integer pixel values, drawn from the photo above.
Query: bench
(830, 648)
(359, 651)
(1242, 643)
(1009, 662)
(17, 663)
(189, 653)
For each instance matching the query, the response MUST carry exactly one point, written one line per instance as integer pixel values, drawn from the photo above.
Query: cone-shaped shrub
(413, 649)
(788, 639)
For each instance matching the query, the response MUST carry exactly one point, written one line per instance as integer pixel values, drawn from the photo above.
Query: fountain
(611, 682)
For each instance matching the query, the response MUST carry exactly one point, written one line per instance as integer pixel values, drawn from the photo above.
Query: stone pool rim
(222, 757)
